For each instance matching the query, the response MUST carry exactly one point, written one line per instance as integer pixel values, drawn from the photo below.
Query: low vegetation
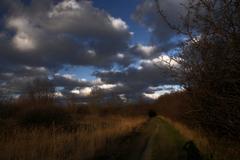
(177, 110)
(55, 133)
(30, 131)
(211, 146)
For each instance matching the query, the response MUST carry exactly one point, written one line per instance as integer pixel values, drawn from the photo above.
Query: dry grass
(92, 134)
(176, 108)
(220, 149)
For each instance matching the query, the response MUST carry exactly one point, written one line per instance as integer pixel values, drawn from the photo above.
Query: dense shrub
(152, 113)
(209, 63)
(7, 111)
(45, 116)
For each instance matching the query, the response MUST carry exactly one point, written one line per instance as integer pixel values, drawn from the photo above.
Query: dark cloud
(18, 81)
(136, 80)
(15, 80)
(147, 14)
(50, 34)
(68, 82)
(39, 38)
(70, 32)
(145, 51)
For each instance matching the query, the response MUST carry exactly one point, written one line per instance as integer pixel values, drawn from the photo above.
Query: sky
(116, 46)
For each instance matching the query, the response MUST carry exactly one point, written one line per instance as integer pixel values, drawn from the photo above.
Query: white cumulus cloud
(84, 92)
(118, 23)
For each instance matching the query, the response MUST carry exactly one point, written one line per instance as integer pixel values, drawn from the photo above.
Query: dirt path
(156, 140)
(165, 142)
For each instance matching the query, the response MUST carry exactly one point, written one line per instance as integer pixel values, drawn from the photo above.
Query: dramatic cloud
(69, 81)
(147, 15)
(155, 92)
(69, 32)
(145, 51)
(16, 80)
(136, 80)
(40, 38)
(84, 92)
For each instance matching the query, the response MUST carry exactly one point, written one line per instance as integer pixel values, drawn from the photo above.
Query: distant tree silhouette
(41, 91)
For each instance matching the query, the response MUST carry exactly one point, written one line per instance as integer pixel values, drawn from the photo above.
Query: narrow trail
(155, 140)
(148, 149)
(164, 142)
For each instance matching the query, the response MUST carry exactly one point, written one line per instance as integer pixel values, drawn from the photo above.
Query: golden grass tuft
(93, 134)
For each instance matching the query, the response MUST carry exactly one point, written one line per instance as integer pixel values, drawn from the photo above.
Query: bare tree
(210, 62)
(41, 91)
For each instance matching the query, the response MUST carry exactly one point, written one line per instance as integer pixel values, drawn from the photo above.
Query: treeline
(210, 64)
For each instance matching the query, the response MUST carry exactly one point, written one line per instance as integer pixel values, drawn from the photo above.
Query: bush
(45, 116)
(209, 63)
(152, 113)
(7, 111)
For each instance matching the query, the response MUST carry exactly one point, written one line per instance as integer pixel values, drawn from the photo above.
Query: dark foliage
(152, 113)
(45, 116)
(210, 64)
(7, 111)
(192, 151)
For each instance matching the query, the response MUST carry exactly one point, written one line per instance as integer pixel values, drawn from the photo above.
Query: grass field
(105, 133)
(89, 136)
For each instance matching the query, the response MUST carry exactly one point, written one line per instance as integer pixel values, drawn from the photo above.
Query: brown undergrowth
(55, 133)
(177, 111)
